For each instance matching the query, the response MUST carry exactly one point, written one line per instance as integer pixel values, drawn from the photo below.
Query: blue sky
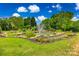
(38, 10)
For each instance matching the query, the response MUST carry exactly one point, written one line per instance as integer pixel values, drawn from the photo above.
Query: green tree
(16, 22)
(75, 26)
(30, 22)
(62, 20)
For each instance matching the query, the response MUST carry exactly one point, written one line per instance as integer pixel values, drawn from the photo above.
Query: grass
(22, 47)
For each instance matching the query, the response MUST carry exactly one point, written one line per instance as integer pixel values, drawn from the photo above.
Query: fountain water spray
(40, 28)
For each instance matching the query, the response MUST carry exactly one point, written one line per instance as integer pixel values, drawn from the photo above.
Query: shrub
(69, 33)
(42, 40)
(59, 30)
(30, 33)
(11, 34)
(33, 28)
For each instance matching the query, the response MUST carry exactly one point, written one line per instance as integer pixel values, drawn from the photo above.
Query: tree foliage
(60, 21)
(16, 23)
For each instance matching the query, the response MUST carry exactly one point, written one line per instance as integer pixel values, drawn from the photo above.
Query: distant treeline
(60, 21)
(16, 23)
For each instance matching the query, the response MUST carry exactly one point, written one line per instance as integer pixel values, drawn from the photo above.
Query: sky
(40, 11)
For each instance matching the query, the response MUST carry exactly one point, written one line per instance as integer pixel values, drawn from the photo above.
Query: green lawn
(22, 47)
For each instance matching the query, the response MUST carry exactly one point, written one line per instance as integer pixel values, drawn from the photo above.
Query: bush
(42, 40)
(59, 30)
(33, 28)
(69, 33)
(30, 33)
(11, 34)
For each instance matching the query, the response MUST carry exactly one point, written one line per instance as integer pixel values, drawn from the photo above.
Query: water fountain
(42, 35)
(45, 36)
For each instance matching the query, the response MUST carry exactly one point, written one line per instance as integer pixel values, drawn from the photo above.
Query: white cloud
(36, 19)
(77, 6)
(53, 6)
(22, 9)
(41, 18)
(34, 8)
(58, 6)
(50, 11)
(74, 18)
(16, 14)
